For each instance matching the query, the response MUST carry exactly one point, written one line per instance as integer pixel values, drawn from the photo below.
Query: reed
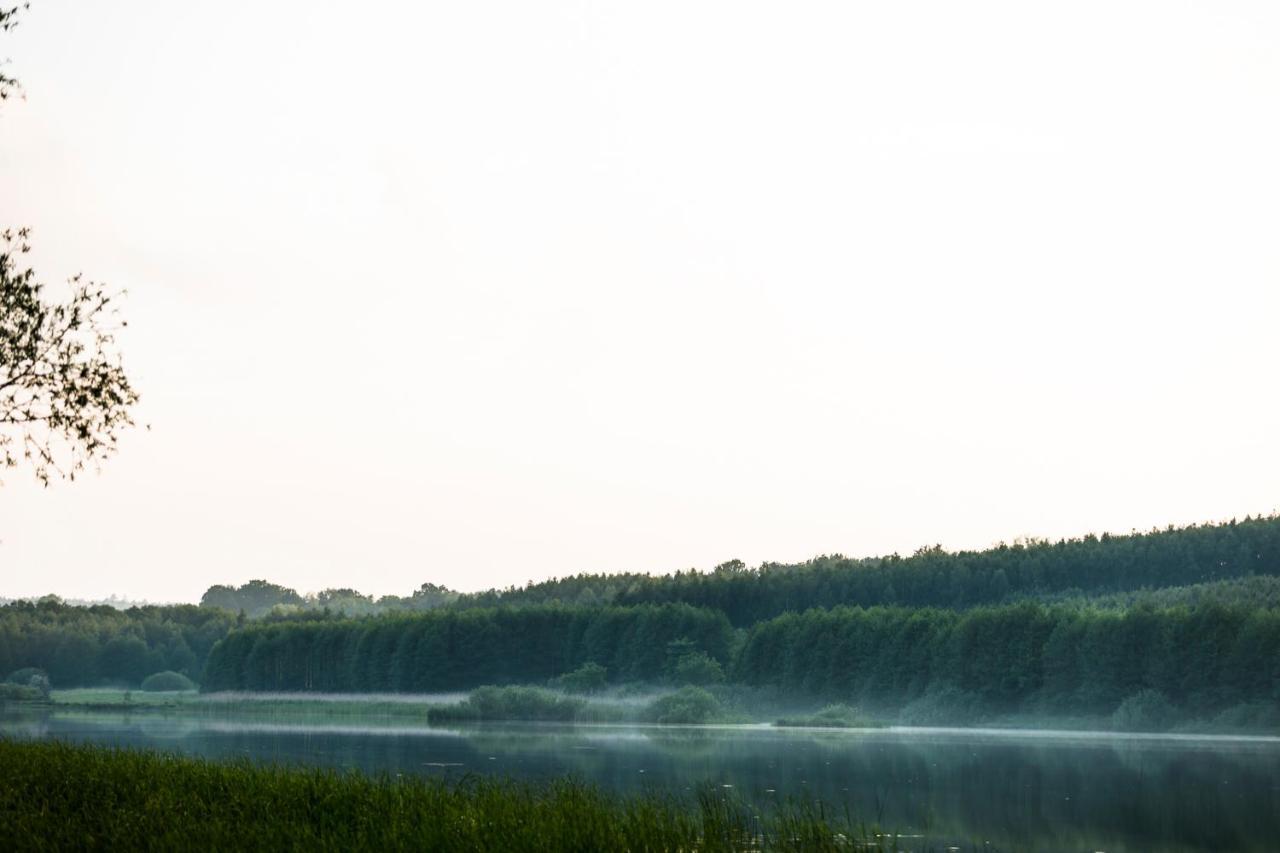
(55, 796)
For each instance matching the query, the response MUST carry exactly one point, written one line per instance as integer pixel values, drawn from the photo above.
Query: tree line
(100, 644)
(1229, 568)
(455, 650)
(1022, 658)
(1018, 658)
(260, 598)
(933, 577)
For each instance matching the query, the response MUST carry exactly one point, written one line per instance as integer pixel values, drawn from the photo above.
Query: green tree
(698, 669)
(588, 678)
(64, 394)
(8, 20)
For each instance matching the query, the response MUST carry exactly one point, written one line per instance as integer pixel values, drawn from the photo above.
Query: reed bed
(60, 796)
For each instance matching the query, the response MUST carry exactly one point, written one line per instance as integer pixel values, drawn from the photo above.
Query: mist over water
(1019, 790)
(232, 696)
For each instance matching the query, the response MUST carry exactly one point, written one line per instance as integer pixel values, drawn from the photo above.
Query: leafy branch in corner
(8, 20)
(64, 395)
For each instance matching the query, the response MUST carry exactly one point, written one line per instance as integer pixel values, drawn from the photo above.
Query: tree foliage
(1145, 711)
(697, 669)
(64, 394)
(1235, 562)
(167, 681)
(260, 598)
(255, 598)
(688, 706)
(457, 650)
(1211, 647)
(8, 20)
(1020, 658)
(591, 677)
(933, 577)
(87, 646)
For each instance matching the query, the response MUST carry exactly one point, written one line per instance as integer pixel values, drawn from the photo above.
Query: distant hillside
(932, 577)
(1090, 567)
(1228, 573)
(1256, 591)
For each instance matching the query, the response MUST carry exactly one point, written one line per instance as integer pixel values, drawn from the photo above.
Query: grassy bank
(59, 796)
(115, 699)
(650, 704)
(414, 707)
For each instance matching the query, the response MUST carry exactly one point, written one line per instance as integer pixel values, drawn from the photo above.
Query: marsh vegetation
(58, 796)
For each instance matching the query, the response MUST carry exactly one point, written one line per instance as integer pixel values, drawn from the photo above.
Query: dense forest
(259, 598)
(1071, 626)
(1025, 657)
(1041, 570)
(102, 644)
(933, 577)
(1021, 658)
(450, 650)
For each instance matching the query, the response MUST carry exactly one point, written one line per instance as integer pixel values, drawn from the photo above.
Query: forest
(451, 650)
(101, 644)
(1022, 658)
(1123, 567)
(933, 577)
(1189, 615)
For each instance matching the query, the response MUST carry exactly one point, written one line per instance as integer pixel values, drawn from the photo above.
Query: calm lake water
(975, 788)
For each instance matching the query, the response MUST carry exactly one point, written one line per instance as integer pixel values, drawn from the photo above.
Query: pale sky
(484, 292)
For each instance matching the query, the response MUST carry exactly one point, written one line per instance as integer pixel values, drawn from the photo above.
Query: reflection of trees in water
(1128, 794)
(1124, 793)
(167, 728)
(24, 722)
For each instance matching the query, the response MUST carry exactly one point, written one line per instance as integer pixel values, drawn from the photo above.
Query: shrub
(510, 703)
(1145, 711)
(23, 676)
(833, 716)
(697, 668)
(687, 706)
(166, 682)
(1253, 716)
(31, 678)
(943, 705)
(588, 678)
(19, 693)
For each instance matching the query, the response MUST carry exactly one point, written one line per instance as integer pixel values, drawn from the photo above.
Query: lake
(1002, 789)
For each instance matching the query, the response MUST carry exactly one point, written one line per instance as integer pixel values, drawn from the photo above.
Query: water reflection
(1015, 790)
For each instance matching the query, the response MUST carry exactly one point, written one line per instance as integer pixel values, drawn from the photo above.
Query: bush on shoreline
(944, 705)
(33, 683)
(510, 703)
(687, 706)
(167, 682)
(19, 693)
(832, 717)
(1145, 711)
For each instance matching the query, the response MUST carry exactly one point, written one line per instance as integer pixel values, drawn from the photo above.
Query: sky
(478, 293)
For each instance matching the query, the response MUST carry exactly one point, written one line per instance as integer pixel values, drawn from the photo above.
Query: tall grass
(56, 796)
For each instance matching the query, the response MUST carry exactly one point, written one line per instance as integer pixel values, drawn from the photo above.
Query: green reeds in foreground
(58, 796)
